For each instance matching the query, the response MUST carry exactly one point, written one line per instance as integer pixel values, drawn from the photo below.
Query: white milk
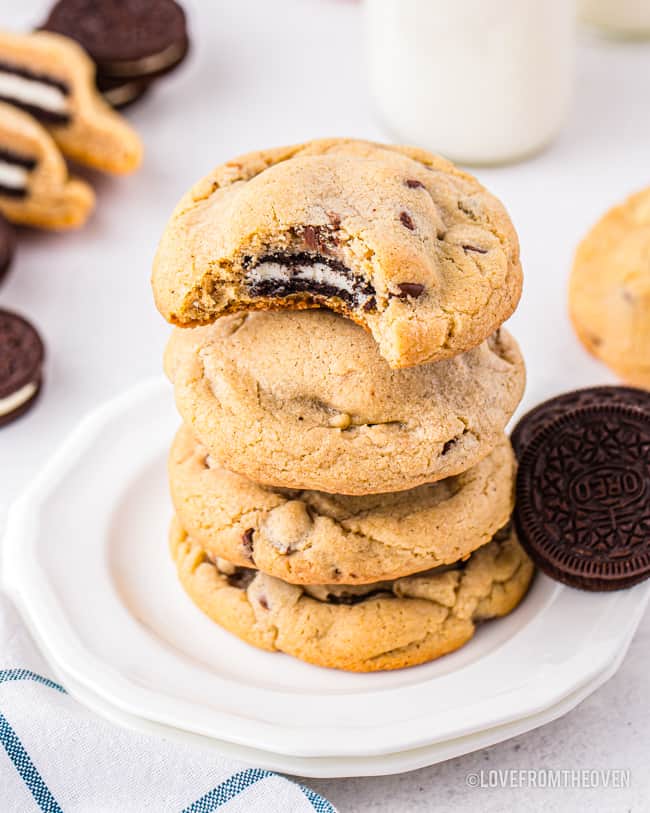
(480, 81)
(626, 18)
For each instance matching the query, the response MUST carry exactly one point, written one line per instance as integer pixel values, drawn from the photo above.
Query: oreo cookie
(21, 362)
(583, 492)
(7, 245)
(127, 39)
(121, 93)
(546, 412)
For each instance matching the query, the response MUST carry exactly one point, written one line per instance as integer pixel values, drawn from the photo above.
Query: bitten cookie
(7, 242)
(21, 361)
(53, 79)
(309, 537)
(388, 625)
(137, 39)
(302, 399)
(395, 238)
(35, 189)
(609, 294)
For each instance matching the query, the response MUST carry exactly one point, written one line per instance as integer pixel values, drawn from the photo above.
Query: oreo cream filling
(14, 173)
(38, 94)
(147, 64)
(280, 275)
(17, 399)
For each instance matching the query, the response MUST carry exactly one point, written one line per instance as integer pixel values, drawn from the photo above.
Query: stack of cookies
(342, 482)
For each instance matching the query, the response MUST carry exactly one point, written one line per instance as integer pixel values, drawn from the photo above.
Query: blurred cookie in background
(52, 78)
(7, 240)
(609, 292)
(21, 361)
(132, 42)
(35, 189)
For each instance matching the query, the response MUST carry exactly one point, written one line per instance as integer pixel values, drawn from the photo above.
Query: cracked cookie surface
(609, 294)
(388, 625)
(303, 399)
(310, 537)
(395, 238)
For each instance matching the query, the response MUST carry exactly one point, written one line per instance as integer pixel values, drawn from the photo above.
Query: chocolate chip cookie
(310, 537)
(386, 625)
(35, 189)
(304, 400)
(609, 295)
(7, 241)
(395, 238)
(53, 79)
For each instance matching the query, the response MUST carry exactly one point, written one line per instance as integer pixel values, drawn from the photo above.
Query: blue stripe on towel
(318, 802)
(226, 790)
(26, 769)
(26, 674)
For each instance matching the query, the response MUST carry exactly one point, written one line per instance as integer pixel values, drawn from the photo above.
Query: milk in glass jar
(480, 81)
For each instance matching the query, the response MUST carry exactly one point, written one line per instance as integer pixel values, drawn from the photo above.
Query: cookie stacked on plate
(342, 482)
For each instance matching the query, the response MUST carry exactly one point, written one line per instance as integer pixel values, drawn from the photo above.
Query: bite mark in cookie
(396, 239)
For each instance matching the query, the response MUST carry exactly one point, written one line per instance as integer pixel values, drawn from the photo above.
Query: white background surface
(265, 73)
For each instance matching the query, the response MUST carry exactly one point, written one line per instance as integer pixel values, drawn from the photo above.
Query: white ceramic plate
(86, 560)
(328, 767)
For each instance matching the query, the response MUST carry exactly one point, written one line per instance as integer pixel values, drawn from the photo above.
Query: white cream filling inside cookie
(148, 64)
(318, 273)
(17, 399)
(33, 92)
(13, 176)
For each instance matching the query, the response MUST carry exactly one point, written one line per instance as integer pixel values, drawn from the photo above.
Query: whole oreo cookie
(21, 361)
(127, 39)
(7, 245)
(548, 411)
(583, 496)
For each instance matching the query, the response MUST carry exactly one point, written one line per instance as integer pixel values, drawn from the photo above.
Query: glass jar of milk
(479, 81)
(622, 18)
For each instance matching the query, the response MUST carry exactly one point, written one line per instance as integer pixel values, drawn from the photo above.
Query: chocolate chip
(354, 598)
(335, 219)
(311, 238)
(412, 183)
(412, 289)
(246, 261)
(241, 578)
(475, 249)
(247, 542)
(406, 220)
(263, 602)
(370, 304)
(449, 445)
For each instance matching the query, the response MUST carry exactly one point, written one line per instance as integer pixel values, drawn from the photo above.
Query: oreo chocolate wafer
(583, 494)
(127, 39)
(21, 361)
(541, 415)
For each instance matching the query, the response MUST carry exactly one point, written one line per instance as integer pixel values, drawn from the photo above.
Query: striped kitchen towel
(57, 756)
